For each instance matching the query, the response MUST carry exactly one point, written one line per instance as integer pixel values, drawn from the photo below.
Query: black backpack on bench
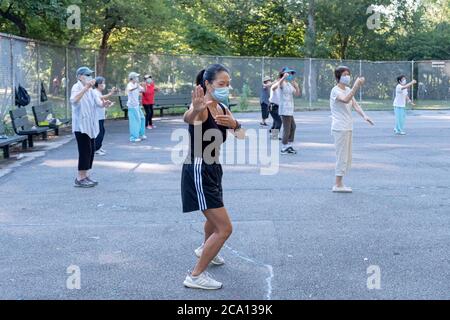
(22, 96)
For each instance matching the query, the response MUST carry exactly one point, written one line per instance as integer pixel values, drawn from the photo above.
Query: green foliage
(319, 28)
(244, 98)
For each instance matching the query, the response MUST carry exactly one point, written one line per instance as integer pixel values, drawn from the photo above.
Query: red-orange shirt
(148, 96)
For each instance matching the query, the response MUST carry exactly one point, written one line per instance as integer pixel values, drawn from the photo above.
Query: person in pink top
(148, 100)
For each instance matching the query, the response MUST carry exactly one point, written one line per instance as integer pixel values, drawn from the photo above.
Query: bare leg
(339, 182)
(209, 229)
(222, 230)
(82, 174)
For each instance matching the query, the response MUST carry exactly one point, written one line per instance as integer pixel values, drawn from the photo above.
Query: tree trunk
(20, 24)
(344, 45)
(103, 53)
(310, 82)
(310, 42)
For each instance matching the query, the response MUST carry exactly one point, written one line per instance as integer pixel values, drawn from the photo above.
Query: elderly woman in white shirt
(85, 124)
(341, 103)
(287, 87)
(100, 85)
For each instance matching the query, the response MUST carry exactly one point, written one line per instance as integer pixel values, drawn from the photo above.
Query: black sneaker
(85, 183)
(291, 150)
(285, 151)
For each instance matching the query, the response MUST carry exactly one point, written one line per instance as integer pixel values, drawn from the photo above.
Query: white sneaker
(100, 152)
(202, 281)
(217, 260)
(143, 137)
(103, 150)
(342, 189)
(136, 140)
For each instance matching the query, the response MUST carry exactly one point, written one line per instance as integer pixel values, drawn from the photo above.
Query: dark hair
(339, 71)
(399, 78)
(99, 80)
(209, 74)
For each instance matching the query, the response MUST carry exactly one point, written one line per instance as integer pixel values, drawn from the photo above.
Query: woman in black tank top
(198, 147)
(201, 180)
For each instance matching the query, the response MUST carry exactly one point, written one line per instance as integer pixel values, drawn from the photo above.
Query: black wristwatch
(238, 126)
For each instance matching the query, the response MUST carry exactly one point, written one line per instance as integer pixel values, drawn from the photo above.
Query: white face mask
(403, 82)
(345, 80)
(85, 79)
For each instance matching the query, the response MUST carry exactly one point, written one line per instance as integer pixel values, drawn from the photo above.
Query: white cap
(133, 75)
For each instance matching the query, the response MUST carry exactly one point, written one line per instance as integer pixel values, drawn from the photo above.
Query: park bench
(22, 126)
(162, 102)
(123, 104)
(6, 141)
(41, 114)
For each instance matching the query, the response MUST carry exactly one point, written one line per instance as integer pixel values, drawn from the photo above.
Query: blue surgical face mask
(149, 81)
(221, 94)
(86, 79)
(290, 77)
(345, 80)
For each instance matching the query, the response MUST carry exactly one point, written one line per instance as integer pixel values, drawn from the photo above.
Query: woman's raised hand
(198, 99)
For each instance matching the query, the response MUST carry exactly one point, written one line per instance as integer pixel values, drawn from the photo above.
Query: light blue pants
(400, 115)
(136, 120)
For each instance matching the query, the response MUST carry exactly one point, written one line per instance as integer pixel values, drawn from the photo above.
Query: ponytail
(209, 74)
(199, 81)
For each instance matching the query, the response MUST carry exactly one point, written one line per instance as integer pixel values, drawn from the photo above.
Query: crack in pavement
(253, 261)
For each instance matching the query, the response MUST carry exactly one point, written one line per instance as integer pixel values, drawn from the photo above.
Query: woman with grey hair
(100, 85)
(342, 100)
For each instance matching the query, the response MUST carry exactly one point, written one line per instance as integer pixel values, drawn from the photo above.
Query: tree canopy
(407, 29)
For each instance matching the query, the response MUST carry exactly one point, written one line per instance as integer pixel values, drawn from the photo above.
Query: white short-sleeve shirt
(400, 96)
(274, 96)
(84, 112)
(133, 96)
(101, 111)
(341, 113)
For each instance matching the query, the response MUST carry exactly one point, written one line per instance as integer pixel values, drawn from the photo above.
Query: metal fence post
(67, 81)
(309, 83)
(262, 68)
(360, 74)
(412, 77)
(13, 85)
(38, 75)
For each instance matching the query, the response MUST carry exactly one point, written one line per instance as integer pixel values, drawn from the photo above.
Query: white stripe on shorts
(198, 183)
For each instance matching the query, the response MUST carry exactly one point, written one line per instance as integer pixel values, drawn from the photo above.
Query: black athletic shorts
(201, 186)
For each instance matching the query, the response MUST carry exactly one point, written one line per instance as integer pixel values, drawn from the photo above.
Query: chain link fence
(33, 65)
